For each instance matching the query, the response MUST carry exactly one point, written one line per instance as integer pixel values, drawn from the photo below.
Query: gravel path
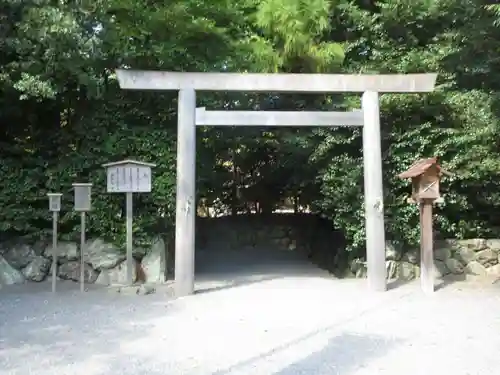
(286, 320)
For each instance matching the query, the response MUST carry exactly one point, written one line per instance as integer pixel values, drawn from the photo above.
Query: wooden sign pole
(129, 241)
(129, 176)
(426, 246)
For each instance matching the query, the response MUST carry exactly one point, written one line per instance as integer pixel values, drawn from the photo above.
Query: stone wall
(316, 238)
(103, 263)
(479, 257)
(306, 233)
(309, 234)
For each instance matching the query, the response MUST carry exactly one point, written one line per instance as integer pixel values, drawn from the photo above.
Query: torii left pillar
(186, 187)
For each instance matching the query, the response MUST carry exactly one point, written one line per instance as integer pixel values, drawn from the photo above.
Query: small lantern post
(129, 176)
(82, 204)
(425, 175)
(54, 207)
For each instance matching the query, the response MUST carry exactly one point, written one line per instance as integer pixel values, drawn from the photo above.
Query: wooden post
(374, 198)
(426, 244)
(82, 255)
(129, 241)
(185, 209)
(54, 250)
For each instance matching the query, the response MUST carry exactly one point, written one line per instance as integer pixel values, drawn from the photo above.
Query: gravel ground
(276, 316)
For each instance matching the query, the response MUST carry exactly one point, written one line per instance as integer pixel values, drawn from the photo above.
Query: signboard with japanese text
(128, 177)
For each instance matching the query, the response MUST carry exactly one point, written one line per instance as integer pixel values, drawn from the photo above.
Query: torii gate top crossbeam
(278, 82)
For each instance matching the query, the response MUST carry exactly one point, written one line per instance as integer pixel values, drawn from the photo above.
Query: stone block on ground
(140, 290)
(20, 255)
(38, 269)
(71, 271)
(117, 275)
(8, 274)
(154, 262)
(102, 255)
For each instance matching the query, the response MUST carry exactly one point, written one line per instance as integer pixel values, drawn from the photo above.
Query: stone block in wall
(408, 271)
(282, 242)
(475, 257)
(442, 253)
(361, 273)
(476, 268)
(355, 265)
(440, 269)
(71, 271)
(455, 266)
(494, 271)
(392, 252)
(38, 269)
(278, 232)
(465, 255)
(66, 251)
(102, 255)
(475, 244)
(20, 255)
(412, 256)
(391, 269)
(487, 257)
(493, 244)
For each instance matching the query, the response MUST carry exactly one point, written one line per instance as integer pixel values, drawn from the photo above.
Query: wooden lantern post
(425, 175)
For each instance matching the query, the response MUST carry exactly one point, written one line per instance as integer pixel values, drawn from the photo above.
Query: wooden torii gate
(188, 117)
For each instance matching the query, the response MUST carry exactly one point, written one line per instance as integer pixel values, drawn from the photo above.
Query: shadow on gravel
(234, 283)
(397, 283)
(440, 283)
(449, 280)
(342, 355)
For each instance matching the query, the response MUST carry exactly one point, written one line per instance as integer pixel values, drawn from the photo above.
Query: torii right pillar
(374, 193)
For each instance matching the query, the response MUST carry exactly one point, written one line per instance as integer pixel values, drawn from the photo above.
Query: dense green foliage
(63, 114)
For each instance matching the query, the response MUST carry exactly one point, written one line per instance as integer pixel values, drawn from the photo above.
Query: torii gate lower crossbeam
(187, 83)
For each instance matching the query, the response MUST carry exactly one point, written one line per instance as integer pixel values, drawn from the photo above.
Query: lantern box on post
(425, 175)
(128, 176)
(82, 197)
(54, 201)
